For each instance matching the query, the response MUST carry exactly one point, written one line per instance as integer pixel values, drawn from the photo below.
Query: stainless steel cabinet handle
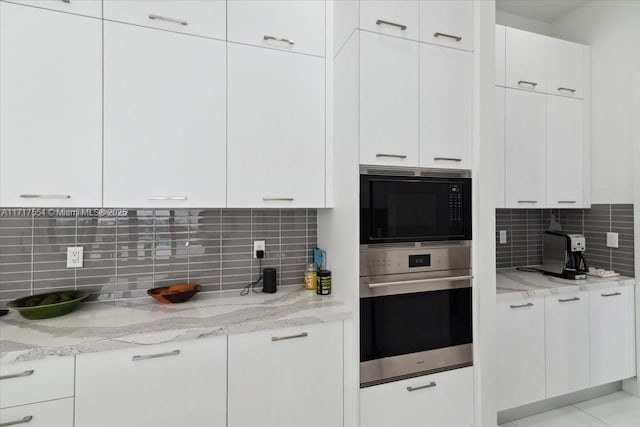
(527, 201)
(393, 24)
(45, 196)
(450, 159)
(566, 201)
(524, 82)
(449, 36)
(15, 423)
(277, 199)
(431, 384)
(411, 282)
(529, 304)
(167, 197)
(278, 39)
(290, 337)
(164, 18)
(560, 89)
(569, 299)
(395, 156)
(155, 356)
(611, 295)
(66, 1)
(21, 374)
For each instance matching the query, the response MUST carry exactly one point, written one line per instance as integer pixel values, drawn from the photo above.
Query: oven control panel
(400, 260)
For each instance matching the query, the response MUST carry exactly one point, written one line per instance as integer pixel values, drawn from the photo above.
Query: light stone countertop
(512, 284)
(101, 326)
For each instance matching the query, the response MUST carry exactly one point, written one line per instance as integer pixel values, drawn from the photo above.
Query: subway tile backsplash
(126, 255)
(525, 228)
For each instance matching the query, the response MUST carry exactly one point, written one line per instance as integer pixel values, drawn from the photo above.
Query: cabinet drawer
(447, 23)
(399, 18)
(201, 18)
(29, 382)
(56, 413)
(91, 8)
(295, 26)
(444, 399)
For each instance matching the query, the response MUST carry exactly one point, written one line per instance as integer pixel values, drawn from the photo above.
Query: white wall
(612, 29)
(522, 23)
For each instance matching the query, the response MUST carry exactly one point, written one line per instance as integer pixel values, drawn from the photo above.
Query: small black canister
(324, 282)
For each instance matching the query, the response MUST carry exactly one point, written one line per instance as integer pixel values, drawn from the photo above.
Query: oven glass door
(395, 325)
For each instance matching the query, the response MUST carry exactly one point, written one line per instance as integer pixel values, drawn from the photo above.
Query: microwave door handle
(411, 282)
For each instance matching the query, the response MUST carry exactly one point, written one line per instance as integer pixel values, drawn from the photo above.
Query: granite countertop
(101, 326)
(515, 284)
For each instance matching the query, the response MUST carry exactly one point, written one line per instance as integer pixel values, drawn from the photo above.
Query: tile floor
(614, 410)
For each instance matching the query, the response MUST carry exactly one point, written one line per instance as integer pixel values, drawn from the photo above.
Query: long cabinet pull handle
(527, 201)
(449, 36)
(66, 1)
(155, 356)
(167, 197)
(16, 422)
(566, 201)
(290, 337)
(277, 199)
(449, 159)
(393, 24)
(394, 156)
(524, 82)
(278, 39)
(560, 89)
(569, 299)
(422, 387)
(611, 295)
(529, 304)
(21, 374)
(45, 196)
(164, 18)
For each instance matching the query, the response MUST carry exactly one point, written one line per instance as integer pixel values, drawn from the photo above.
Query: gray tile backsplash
(124, 256)
(525, 228)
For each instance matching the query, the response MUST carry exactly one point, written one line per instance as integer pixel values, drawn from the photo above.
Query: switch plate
(612, 240)
(503, 237)
(259, 245)
(75, 257)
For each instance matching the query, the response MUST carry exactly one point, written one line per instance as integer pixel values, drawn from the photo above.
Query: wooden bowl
(173, 294)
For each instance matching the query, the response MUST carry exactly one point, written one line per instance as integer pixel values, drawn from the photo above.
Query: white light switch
(612, 240)
(503, 237)
(75, 257)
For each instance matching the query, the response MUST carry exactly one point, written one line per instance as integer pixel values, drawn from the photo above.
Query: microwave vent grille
(389, 172)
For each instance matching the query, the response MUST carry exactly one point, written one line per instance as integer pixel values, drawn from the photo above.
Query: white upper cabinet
(51, 108)
(565, 68)
(399, 18)
(526, 60)
(445, 107)
(500, 147)
(164, 119)
(91, 8)
(525, 149)
(565, 140)
(201, 18)
(290, 25)
(501, 34)
(389, 100)
(447, 23)
(276, 128)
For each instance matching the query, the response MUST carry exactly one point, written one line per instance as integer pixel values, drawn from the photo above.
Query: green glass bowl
(48, 310)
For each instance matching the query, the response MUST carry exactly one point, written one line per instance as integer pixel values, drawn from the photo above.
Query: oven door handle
(417, 281)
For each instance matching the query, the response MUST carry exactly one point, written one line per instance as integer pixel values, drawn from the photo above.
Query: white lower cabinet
(54, 413)
(287, 378)
(166, 385)
(444, 399)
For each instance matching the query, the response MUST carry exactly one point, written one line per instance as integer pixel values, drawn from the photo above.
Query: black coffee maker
(563, 255)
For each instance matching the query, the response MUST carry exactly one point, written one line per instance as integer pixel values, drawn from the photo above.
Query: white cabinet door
(521, 354)
(287, 378)
(276, 128)
(445, 107)
(51, 108)
(526, 60)
(291, 25)
(525, 149)
(201, 18)
(565, 68)
(500, 148)
(447, 23)
(565, 140)
(166, 385)
(567, 343)
(611, 316)
(399, 18)
(54, 413)
(164, 118)
(91, 8)
(444, 399)
(500, 54)
(389, 100)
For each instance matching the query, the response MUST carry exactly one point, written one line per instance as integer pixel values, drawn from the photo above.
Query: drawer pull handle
(527, 201)
(290, 337)
(529, 304)
(449, 36)
(16, 422)
(524, 82)
(567, 201)
(155, 356)
(560, 89)
(395, 156)
(164, 18)
(45, 196)
(167, 197)
(66, 1)
(448, 159)
(615, 294)
(393, 24)
(21, 374)
(569, 299)
(431, 384)
(278, 39)
(277, 199)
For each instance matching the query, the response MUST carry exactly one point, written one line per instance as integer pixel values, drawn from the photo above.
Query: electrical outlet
(612, 240)
(75, 257)
(258, 245)
(503, 237)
